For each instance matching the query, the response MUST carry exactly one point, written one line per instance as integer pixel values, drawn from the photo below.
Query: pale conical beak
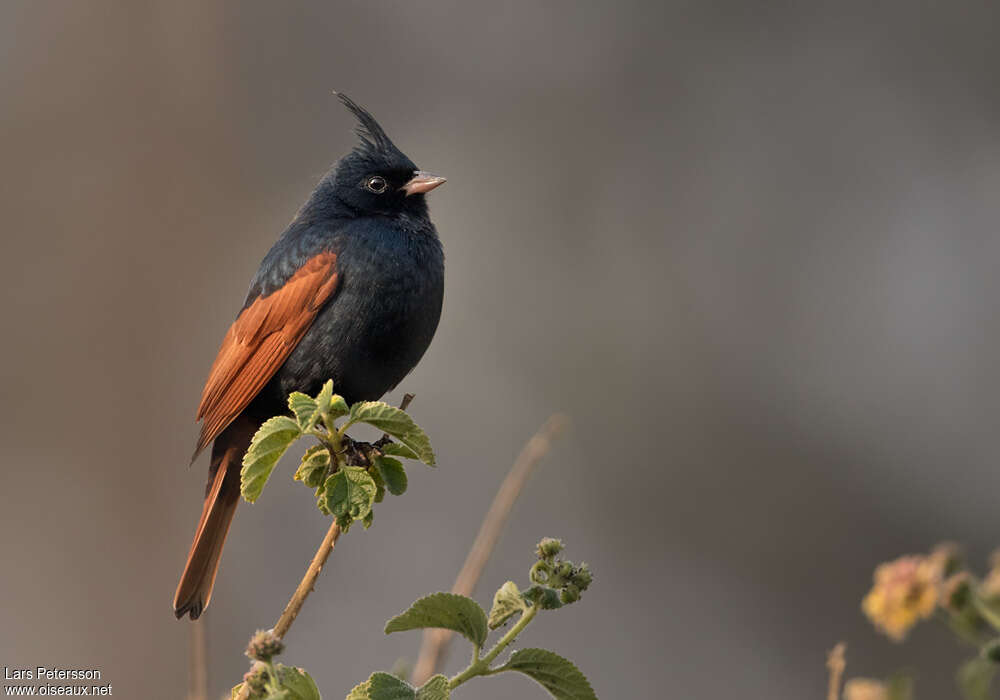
(422, 182)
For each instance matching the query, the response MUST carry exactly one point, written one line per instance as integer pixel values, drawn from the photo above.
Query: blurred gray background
(749, 249)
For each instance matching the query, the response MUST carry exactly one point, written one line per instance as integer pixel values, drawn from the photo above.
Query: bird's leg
(356, 453)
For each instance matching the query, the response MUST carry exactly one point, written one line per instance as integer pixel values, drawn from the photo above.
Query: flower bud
(550, 599)
(582, 578)
(256, 678)
(957, 591)
(569, 594)
(263, 645)
(540, 572)
(564, 569)
(548, 548)
(946, 558)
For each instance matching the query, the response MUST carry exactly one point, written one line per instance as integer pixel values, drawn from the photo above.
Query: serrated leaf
(360, 691)
(294, 684)
(321, 499)
(398, 449)
(338, 407)
(368, 519)
(349, 494)
(383, 686)
(559, 676)
(974, 678)
(266, 448)
(393, 474)
(312, 470)
(305, 409)
(507, 602)
(434, 689)
(376, 476)
(444, 610)
(324, 396)
(396, 423)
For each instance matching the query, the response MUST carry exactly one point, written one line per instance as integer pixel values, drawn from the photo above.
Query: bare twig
(435, 641)
(308, 581)
(305, 587)
(198, 689)
(835, 664)
(404, 404)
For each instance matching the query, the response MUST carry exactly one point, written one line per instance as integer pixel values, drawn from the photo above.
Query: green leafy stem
(559, 676)
(349, 477)
(556, 583)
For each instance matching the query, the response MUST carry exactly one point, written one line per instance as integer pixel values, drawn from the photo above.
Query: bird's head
(376, 177)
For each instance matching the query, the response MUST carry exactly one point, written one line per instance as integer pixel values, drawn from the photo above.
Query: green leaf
(305, 409)
(338, 407)
(312, 470)
(444, 610)
(393, 474)
(507, 602)
(325, 396)
(376, 475)
(559, 676)
(383, 686)
(266, 448)
(397, 449)
(360, 691)
(368, 519)
(966, 624)
(974, 678)
(434, 689)
(349, 494)
(321, 505)
(396, 423)
(294, 684)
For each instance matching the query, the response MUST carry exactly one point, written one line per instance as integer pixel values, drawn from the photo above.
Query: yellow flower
(906, 590)
(865, 689)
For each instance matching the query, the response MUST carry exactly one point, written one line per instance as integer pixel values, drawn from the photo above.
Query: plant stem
(435, 641)
(305, 587)
(987, 612)
(835, 664)
(482, 666)
(308, 581)
(199, 670)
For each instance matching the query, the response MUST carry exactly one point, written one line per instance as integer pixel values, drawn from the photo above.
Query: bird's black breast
(381, 319)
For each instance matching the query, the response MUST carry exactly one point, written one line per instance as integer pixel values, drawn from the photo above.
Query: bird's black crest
(374, 141)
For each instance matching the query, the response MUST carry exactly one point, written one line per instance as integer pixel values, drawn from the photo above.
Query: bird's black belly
(367, 338)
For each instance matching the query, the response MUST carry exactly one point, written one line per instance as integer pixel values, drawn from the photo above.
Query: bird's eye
(376, 184)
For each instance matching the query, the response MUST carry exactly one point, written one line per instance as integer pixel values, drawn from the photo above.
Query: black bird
(351, 291)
